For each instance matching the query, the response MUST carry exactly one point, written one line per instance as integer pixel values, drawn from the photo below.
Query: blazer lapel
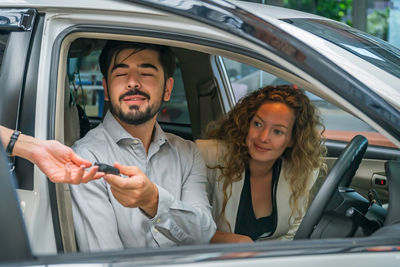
(232, 205)
(282, 203)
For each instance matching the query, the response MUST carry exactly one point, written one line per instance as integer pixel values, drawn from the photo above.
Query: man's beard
(137, 117)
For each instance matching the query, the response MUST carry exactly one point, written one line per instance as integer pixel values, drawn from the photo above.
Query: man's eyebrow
(120, 65)
(148, 65)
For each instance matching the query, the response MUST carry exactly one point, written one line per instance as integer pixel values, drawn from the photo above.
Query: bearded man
(160, 199)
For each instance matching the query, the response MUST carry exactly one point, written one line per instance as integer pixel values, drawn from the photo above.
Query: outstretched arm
(56, 160)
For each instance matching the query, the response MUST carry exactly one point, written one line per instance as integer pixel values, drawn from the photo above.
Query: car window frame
(383, 142)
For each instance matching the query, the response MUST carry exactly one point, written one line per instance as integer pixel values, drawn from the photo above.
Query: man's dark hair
(166, 56)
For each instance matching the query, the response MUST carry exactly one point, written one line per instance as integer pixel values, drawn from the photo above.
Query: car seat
(71, 117)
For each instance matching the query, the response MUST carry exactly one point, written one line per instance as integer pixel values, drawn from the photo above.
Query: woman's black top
(246, 222)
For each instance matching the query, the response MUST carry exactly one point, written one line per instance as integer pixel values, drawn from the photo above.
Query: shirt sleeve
(94, 218)
(187, 220)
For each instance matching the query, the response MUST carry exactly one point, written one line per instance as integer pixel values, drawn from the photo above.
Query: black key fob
(107, 168)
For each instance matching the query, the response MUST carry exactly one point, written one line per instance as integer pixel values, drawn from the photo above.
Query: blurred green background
(380, 18)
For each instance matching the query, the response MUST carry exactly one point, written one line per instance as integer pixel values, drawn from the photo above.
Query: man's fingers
(119, 190)
(121, 182)
(128, 170)
(115, 180)
(123, 198)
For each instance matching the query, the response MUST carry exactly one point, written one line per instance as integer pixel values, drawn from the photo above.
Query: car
(51, 89)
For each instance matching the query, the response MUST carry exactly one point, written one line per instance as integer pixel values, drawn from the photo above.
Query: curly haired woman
(262, 160)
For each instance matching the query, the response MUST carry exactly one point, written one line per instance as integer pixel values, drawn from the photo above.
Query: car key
(108, 169)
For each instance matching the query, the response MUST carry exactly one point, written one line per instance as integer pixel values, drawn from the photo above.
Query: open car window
(339, 124)
(85, 89)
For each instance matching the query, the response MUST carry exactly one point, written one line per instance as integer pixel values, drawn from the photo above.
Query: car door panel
(363, 181)
(371, 173)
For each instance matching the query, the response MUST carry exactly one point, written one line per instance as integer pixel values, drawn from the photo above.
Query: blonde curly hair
(304, 156)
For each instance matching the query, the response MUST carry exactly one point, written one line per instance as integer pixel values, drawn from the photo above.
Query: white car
(51, 88)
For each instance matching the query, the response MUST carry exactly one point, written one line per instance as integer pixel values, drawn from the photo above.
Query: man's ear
(169, 84)
(106, 98)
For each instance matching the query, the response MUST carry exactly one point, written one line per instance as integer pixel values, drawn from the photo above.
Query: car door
(14, 243)
(136, 23)
(296, 62)
(21, 32)
(18, 65)
(18, 69)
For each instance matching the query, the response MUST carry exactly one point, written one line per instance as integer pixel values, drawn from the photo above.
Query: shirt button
(158, 220)
(135, 142)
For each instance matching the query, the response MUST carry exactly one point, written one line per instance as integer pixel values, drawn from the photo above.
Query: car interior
(208, 82)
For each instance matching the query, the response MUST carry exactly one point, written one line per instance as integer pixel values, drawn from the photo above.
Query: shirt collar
(118, 133)
(159, 135)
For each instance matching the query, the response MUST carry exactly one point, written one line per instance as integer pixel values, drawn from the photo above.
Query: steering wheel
(340, 174)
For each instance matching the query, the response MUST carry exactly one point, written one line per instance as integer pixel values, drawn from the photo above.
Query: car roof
(265, 11)
(42, 5)
(275, 12)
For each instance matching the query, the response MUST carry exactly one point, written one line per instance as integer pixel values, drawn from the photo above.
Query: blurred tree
(377, 23)
(340, 10)
(333, 9)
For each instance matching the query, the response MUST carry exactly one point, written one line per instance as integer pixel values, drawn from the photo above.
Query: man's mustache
(134, 92)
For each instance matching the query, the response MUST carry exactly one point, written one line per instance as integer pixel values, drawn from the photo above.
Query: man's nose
(133, 81)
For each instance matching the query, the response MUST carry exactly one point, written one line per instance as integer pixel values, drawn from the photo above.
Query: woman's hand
(226, 237)
(61, 164)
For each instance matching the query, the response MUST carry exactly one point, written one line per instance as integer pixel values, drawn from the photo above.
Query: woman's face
(270, 132)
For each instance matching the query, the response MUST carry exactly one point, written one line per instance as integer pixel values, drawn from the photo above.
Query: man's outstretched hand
(136, 191)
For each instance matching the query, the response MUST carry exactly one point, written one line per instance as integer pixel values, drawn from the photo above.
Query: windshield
(369, 48)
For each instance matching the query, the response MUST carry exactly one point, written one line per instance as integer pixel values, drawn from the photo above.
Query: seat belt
(206, 91)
